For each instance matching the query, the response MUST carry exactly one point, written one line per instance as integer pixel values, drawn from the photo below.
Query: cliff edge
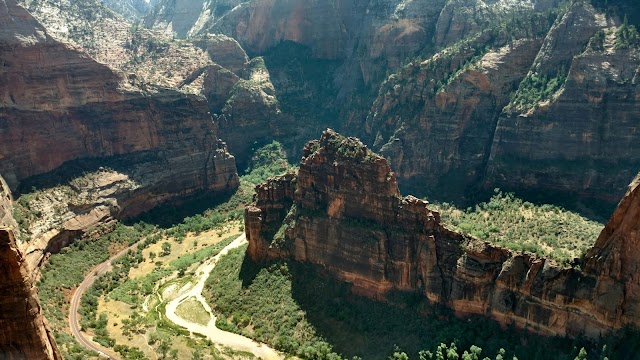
(24, 333)
(343, 212)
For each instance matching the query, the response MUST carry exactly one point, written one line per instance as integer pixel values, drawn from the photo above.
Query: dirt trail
(74, 321)
(234, 341)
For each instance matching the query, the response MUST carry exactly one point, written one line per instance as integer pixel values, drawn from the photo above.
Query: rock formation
(582, 139)
(453, 71)
(441, 133)
(343, 212)
(61, 107)
(24, 333)
(483, 121)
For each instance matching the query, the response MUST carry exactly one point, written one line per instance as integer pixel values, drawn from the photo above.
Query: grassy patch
(193, 311)
(265, 310)
(546, 230)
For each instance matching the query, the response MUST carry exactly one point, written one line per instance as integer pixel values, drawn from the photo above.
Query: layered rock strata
(343, 212)
(24, 333)
(582, 140)
(60, 106)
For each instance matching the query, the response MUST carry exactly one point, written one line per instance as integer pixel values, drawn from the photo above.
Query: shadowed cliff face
(581, 140)
(343, 212)
(24, 333)
(60, 106)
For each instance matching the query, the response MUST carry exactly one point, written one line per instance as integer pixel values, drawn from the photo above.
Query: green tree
(166, 249)
(583, 353)
(164, 348)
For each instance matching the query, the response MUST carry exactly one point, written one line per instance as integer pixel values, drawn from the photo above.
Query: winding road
(74, 321)
(234, 341)
(210, 331)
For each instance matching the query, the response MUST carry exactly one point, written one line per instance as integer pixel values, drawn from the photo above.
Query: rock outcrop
(59, 106)
(343, 212)
(24, 333)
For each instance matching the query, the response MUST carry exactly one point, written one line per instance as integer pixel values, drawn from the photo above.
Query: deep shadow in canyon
(369, 329)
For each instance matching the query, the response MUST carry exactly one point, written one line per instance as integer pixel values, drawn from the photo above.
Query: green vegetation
(294, 308)
(545, 230)
(133, 291)
(267, 161)
(266, 304)
(627, 36)
(66, 270)
(536, 88)
(597, 41)
(351, 149)
(192, 310)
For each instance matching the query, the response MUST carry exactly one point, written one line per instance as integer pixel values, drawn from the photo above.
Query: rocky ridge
(344, 213)
(24, 333)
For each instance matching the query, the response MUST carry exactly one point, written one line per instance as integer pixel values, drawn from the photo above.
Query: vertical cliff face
(346, 215)
(24, 333)
(65, 106)
(582, 139)
(440, 132)
(552, 111)
(60, 106)
(615, 261)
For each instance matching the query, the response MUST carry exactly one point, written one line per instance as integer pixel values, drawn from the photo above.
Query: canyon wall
(24, 333)
(540, 109)
(343, 212)
(459, 95)
(62, 110)
(582, 139)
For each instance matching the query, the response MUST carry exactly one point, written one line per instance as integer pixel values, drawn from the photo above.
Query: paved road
(74, 322)
(234, 341)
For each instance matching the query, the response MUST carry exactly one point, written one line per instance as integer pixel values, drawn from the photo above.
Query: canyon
(342, 211)
(106, 114)
(65, 113)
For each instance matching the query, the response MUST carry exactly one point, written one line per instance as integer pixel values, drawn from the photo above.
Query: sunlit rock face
(343, 212)
(60, 106)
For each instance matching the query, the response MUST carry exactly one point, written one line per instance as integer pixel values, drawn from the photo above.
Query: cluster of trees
(519, 225)
(627, 36)
(536, 88)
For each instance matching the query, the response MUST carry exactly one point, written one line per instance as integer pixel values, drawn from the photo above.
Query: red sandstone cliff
(343, 212)
(60, 106)
(24, 333)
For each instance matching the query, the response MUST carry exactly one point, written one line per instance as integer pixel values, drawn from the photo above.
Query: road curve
(234, 341)
(74, 321)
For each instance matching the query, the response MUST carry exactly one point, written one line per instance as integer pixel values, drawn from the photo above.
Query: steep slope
(186, 17)
(130, 9)
(343, 212)
(440, 132)
(146, 57)
(24, 333)
(60, 107)
(614, 259)
(581, 139)
(555, 115)
(481, 93)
